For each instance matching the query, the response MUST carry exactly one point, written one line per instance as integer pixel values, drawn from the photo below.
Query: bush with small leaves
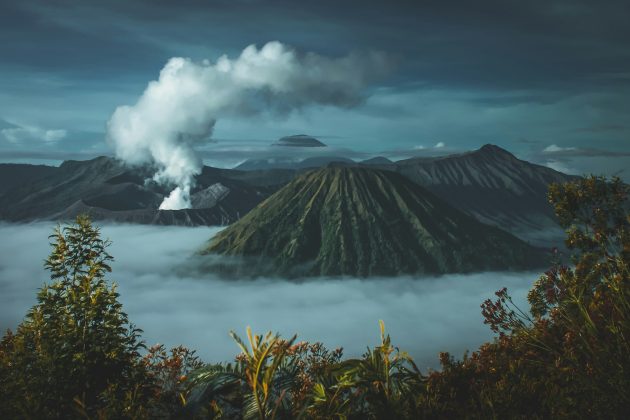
(75, 352)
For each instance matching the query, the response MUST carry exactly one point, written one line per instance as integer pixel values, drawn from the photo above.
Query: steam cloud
(181, 108)
(424, 316)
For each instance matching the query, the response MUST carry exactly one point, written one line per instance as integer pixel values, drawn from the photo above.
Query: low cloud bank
(423, 316)
(19, 135)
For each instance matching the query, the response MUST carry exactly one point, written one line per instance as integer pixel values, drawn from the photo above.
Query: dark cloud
(491, 43)
(584, 160)
(604, 128)
(52, 156)
(5, 124)
(527, 141)
(53, 37)
(469, 73)
(566, 152)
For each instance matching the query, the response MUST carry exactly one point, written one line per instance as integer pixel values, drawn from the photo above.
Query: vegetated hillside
(492, 185)
(365, 222)
(106, 189)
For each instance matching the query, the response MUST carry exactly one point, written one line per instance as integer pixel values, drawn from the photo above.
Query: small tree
(569, 356)
(75, 352)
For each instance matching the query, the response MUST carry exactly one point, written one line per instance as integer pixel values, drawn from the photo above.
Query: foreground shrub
(75, 350)
(569, 355)
(75, 354)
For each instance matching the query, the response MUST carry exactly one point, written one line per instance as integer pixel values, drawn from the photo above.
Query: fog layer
(424, 316)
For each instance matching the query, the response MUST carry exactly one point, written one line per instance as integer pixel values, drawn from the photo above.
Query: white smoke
(180, 109)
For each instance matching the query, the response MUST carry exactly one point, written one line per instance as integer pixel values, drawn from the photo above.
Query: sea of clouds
(424, 316)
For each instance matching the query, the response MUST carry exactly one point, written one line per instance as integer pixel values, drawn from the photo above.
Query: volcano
(354, 221)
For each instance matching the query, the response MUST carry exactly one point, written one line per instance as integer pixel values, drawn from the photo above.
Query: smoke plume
(180, 109)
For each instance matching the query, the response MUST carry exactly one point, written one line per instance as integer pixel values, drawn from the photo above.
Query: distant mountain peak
(87, 162)
(99, 164)
(299, 140)
(495, 150)
(378, 160)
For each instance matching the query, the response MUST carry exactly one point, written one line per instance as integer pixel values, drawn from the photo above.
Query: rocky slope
(14, 174)
(363, 222)
(491, 185)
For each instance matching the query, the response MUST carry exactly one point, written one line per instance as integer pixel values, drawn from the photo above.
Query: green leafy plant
(262, 360)
(383, 383)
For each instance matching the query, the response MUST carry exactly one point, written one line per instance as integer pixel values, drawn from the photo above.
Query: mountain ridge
(109, 190)
(492, 185)
(489, 184)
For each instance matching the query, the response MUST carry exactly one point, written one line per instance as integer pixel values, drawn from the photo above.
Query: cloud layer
(25, 134)
(585, 160)
(424, 316)
(181, 108)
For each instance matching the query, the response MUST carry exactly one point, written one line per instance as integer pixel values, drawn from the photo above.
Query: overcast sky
(547, 80)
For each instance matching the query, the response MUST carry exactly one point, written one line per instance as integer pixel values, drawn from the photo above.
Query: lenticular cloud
(180, 109)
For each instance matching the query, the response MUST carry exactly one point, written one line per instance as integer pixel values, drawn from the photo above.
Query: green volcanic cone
(365, 222)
